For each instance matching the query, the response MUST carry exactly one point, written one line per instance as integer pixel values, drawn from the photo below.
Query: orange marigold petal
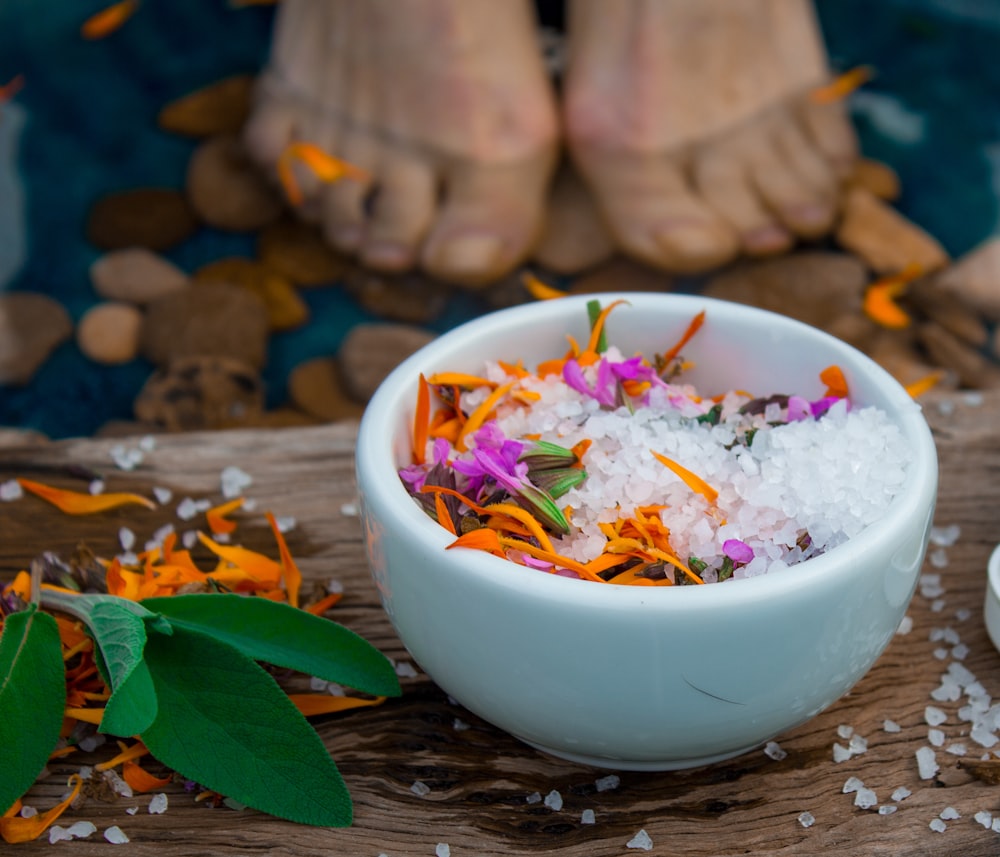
(15, 829)
(290, 571)
(77, 503)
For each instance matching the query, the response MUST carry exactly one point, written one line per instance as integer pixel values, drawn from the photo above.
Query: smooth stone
(285, 308)
(948, 351)
(218, 319)
(315, 387)
(621, 274)
(815, 287)
(948, 310)
(371, 351)
(411, 298)
(221, 107)
(32, 326)
(136, 275)
(153, 217)
(297, 251)
(108, 333)
(884, 238)
(975, 279)
(227, 190)
(876, 177)
(897, 352)
(201, 392)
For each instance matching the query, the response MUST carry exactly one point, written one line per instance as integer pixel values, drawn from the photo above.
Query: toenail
(471, 253)
(766, 239)
(346, 237)
(808, 214)
(690, 239)
(387, 254)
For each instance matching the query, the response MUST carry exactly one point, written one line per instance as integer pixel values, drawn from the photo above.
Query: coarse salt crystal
(934, 716)
(945, 536)
(534, 797)
(442, 849)
(840, 754)
(158, 804)
(865, 798)
(349, 510)
(189, 538)
(554, 801)
(162, 495)
(233, 480)
(857, 745)
(887, 809)
(420, 789)
(902, 793)
(28, 811)
(588, 817)
(95, 487)
(773, 751)
(187, 509)
(963, 614)
(459, 725)
(604, 784)
(905, 625)
(938, 558)
(927, 765)
(956, 749)
(984, 818)
(126, 538)
(938, 826)
(640, 841)
(852, 784)
(960, 652)
(807, 819)
(115, 835)
(995, 826)
(404, 669)
(57, 833)
(938, 605)
(845, 731)
(941, 654)
(891, 726)
(949, 813)
(132, 810)
(946, 692)
(935, 737)
(81, 829)
(286, 523)
(11, 490)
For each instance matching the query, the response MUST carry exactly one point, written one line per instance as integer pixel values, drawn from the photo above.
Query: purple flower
(604, 386)
(737, 551)
(821, 406)
(798, 409)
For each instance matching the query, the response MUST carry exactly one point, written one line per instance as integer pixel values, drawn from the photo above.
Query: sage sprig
(184, 677)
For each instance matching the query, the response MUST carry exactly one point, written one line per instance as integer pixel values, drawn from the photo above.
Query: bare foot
(691, 121)
(445, 103)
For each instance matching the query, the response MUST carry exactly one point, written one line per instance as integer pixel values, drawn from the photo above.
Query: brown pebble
(108, 333)
(136, 275)
(227, 190)
(884, 238)
(157, 218)
(207, 319)
(201, 393)
(935, 303)
(370, 352)
(297, 251)
(411, 298)
(876, 177)
(575, 237)
(856, 329)
(14, 438)
(221, 107)
(948, 351)
(315, 387)
(32, 326)
(285, 307)
(283, 418)
(814, 287)
(126, 428)
(621, 275)
(975, 279)
(896, 351)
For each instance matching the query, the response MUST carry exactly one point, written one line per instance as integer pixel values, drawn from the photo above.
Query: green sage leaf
(132, 706)
(284, 636)
(32, 699)
(225, 723)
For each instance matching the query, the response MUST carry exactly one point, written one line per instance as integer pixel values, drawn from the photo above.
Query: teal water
(89, 128)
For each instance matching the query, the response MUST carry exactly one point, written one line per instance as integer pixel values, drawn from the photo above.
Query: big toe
(489, 219)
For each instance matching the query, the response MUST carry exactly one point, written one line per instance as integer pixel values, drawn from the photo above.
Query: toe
(402, 210)
(799, 207)
(722, 179)
(345, 202)
(269, 130)
(654, 214)
(831, 132)
(489, 220)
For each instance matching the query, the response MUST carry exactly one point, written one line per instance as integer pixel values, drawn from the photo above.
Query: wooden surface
(479, 778)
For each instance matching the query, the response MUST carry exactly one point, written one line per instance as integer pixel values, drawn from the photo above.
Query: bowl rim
(377, 476)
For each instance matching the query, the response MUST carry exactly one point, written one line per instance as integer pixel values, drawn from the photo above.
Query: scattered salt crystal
(588, 817)
(930, 585)
(125, 458)
(984, 818)
(995, 826)
(927, 764)
(938, 558)
(963, 614)
(807, 819)
(126, 538)
(773, 751)
(95, 487)
(189, 539)
(941, 654)
(89, 743)
(162, 495)
(905, 625)
(420, 789)
(973, 399)
(118, 785)
(946, 407)
(935, 737)
(945, 536)
(58, 833)
(132, 810)
(286, 523)
(946, 692)
(147, 443)
(233, 480)
(887, 809)
(187, 509)
(891, 726)
(934, 716)
(222, 538)
(81, 829)
(845, 731)
(948, 634)
(949, 813)
(840, 754)
(460, 725)
(534, 797)
(404, 669)
(554, 801)
(956, 749)
(28, 811)
(902, 793)
(611, 781)
(852, 784)
(11, 490)
(938, 605)
(349, 510)
(857, 745)
(442, 849)
(983, 735)
(115, 835)
(960, 652)
(865, 798)
(640, 841)
(938, 826)
(961, 674)
(249, 504)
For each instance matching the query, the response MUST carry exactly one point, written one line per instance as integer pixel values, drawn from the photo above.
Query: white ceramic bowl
(646, 678)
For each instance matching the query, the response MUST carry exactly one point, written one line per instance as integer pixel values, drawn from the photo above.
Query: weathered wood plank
(481, 779)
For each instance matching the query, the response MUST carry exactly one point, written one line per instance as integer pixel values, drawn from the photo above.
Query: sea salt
(891, 726)
(115, 835)
(442, 849)
(902, 793)
(588, 817)
(554, 801)
(420, 789)
(233, 480)
(934, 716)
(840, 754)
(608, 783)
(887, 809)
(984, 818)
(938, 826)
(807, 819)
(949, 813)
(162, 495)
(945, 536)
(927, 765)
(11, 490)
(935, 737)
(845, 731)
(773, 751)
(905, 625)
(640, 841)
(158, 804)
(851, 785)
(865, 798)
(404, 669)
(534, 797)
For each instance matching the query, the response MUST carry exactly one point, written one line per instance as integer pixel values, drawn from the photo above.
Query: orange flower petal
(693, 327)
(311, 704)
(77, 503)
(216, 516)
(108, 20)
(15, 829)
(292, 575)
(539, 290)
(842, 86)
(245, 565)
(694, 482)
(421, 420)
(320, 607)
(836, 383)
(141, 780)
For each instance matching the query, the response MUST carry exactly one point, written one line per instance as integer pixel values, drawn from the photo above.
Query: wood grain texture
(480, 779)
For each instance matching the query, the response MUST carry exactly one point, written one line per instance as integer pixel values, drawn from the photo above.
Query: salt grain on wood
(807, 819)
(158, 804)
(938, 826)
(902, 793)
(773, 751)
(11, 490)
(865, 798)
(611, 781)
(588, 817)
(641, 841)
(927, 765)
(554, 801)
(984, 818)
(442, 849)
(115, 835)
(891, 726)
